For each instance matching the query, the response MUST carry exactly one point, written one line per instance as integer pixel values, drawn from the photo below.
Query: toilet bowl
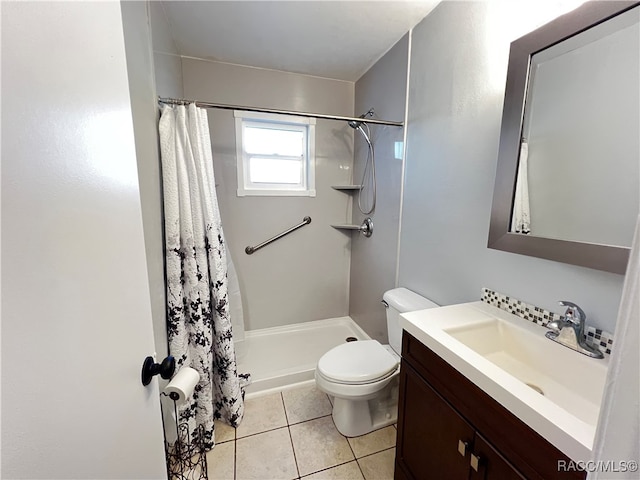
(363, 377)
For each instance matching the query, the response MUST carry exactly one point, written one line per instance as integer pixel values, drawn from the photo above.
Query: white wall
(144, 107)
(373, 259)
(76, 316)
(166, 59)
(304, 276)
(154, 69)
(458, 70)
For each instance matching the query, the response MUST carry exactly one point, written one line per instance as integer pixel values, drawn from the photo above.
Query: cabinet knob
(462, 447)
(475, 462)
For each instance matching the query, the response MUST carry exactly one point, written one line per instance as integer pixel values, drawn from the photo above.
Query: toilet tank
(401, 300)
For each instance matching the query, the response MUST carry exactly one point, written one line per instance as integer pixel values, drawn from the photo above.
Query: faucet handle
(573, 313)
(554, 326)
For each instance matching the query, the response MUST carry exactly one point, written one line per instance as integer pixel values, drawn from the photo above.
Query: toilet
(362, 376)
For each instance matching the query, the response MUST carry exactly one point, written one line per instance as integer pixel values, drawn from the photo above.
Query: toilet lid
(357, 362)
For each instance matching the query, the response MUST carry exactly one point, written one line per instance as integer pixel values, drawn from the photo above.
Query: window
(275, 154)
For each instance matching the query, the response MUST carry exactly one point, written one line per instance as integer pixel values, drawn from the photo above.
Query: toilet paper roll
(183, 384)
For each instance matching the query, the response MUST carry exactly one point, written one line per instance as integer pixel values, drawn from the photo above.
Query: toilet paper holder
(187, 456)
(150, 369)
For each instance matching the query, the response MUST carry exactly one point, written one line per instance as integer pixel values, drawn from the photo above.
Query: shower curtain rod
(177, 101)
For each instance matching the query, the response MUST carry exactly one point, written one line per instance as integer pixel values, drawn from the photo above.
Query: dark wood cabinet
(489, 464)
(449, 428)
(430, 441)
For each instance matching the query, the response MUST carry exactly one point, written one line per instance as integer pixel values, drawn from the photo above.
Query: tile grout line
(226, 441)
(286, 417)
(329, 468)
(375, 453)
(235, 457)
(359, 466)
(260, 433)
(383, 449)
(284, 407)
(309, 420)
(370, 455)
(350, 448)
(332, 466)
(289, 425)
(235, 453)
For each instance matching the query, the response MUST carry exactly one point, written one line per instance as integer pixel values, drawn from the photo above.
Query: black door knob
(151, 368)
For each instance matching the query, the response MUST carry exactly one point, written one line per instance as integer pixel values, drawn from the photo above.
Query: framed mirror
(568, 177)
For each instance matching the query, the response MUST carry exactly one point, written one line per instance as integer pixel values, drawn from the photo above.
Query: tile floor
(291, 435)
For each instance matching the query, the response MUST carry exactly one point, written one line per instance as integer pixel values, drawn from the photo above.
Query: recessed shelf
(347, 188)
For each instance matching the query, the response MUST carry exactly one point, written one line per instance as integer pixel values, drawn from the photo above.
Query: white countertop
(568, 420)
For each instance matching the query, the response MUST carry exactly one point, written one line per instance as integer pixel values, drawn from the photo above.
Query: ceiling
(332, 39)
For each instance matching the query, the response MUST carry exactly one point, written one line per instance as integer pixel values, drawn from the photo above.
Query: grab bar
(250, 250)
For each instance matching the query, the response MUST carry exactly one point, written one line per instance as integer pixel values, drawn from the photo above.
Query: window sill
(276, 193)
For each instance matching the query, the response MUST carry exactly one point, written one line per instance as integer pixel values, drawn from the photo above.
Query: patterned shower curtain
(198, 323)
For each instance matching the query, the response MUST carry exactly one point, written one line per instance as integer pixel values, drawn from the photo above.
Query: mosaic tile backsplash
(600, 339)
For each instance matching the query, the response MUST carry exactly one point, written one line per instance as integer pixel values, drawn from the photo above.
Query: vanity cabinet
(431, 430)
(448, 428)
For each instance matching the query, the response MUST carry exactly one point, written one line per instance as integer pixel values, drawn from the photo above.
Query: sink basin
(553, 389)
(563, 377)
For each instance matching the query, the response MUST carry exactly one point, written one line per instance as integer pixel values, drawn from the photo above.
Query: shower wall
(373, 260)
(305, 275)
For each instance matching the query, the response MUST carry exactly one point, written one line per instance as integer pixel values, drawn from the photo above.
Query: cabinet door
(429, 432)
(487, 464)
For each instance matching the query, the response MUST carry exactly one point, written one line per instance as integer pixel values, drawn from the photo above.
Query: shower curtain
(521, 220)
(198, 323)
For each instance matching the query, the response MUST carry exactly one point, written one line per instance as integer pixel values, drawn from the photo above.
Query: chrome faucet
(569, 330)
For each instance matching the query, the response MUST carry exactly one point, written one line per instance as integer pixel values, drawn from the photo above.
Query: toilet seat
(360, 362)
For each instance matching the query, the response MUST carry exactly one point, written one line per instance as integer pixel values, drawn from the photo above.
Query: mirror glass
(578, 177)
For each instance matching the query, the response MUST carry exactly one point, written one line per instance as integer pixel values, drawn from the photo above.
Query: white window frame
(245, 186)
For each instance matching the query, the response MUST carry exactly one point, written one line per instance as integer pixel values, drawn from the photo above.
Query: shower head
(355, 124)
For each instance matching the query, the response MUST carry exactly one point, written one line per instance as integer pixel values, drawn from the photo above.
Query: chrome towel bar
(250, 250)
